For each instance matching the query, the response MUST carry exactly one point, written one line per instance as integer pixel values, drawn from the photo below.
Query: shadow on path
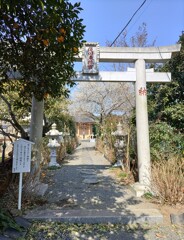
(83, 183)
(83, 191)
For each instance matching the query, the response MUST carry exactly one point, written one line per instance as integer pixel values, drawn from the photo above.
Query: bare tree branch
(13, 120)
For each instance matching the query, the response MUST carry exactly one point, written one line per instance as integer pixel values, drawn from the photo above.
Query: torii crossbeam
(129, 76)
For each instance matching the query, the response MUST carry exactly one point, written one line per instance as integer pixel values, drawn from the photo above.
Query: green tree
(15, 110)
(166, 101)
(40, 39)
(165, 106)
(56, 111)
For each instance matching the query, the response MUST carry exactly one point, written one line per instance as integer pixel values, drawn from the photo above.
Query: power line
(138, 17)
(128, 22)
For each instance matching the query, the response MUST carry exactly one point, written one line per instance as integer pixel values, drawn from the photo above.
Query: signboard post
(21, 161)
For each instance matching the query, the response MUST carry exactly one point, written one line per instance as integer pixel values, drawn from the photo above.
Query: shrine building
(84, 128)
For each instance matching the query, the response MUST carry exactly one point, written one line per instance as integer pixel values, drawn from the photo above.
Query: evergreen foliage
(38, 43)
(166, 110)
(166, 101)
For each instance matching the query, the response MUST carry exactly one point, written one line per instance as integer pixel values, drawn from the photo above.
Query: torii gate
(91, 54)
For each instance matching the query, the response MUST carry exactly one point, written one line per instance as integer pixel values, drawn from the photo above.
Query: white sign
(90, 58)
(22, 156)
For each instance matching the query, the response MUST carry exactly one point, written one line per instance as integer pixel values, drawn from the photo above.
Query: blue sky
(104, 19)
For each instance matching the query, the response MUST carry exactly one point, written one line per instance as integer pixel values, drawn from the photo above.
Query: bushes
(69, 148)
(107, 150)
(165, 142)
(61, 153)
(168, 180)
(167, 149)
(66, 146)
(7, 221)
(45, 151)
(71, 145)
(5, 175)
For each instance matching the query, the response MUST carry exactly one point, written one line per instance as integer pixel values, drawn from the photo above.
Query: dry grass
(107, 150)
(168, 180)
(123, 177)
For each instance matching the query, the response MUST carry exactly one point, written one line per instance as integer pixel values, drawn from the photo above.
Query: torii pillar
(91, 54)
(143, 146)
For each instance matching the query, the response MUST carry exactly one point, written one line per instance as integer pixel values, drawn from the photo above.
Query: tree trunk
(36, 129)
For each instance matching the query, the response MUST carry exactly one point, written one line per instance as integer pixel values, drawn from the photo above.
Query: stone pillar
(143, 147)
(89, 129)
(78, 128)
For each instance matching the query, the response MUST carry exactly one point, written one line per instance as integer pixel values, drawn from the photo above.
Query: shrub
(45, 150)
(7, 221)
(69, 148)
(168, 180)
(61, 153)
(52, 168)
(165, 141)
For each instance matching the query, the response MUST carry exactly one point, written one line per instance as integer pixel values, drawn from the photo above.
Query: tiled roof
(83, 119)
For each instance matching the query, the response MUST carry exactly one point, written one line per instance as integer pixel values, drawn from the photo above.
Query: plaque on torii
(140, 75)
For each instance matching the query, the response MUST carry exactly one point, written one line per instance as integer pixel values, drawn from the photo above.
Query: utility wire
(138, 17)
(128, 22)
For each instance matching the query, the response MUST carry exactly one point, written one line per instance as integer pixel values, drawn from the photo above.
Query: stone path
(83, 191)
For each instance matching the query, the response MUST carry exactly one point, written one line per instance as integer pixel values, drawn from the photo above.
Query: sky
(104, 19)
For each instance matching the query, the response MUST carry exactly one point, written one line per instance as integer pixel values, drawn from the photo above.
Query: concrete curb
(91, 216)
(177, 218)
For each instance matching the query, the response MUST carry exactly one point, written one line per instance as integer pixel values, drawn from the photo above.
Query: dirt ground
(165, 209)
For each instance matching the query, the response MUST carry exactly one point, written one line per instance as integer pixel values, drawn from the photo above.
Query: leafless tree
(99, 100)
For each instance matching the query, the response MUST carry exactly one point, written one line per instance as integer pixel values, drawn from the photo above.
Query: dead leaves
(160, 235)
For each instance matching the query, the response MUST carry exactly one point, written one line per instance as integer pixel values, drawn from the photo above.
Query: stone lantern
(54, 136)
(120, 145)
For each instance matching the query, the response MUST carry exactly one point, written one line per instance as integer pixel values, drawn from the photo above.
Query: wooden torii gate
(92, 54)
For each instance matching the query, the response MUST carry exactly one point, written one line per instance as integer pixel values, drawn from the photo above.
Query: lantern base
(139, 189)
(53, 162)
